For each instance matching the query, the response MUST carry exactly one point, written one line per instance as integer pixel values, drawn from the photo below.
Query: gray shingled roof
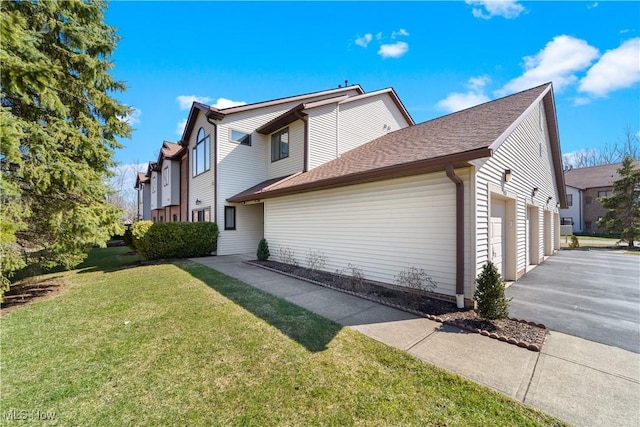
(455, 138)
(594, 176)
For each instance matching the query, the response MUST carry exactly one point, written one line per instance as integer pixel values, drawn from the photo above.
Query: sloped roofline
(218, 114)
(294, 113)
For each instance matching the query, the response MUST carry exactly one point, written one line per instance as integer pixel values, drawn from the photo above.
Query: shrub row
(156, 240)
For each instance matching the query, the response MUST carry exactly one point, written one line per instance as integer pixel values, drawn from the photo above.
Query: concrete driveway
(592, 294)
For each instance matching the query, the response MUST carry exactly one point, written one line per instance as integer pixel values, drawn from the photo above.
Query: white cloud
(364, 40)
(581, 100)
(400, 32)
(638, 134)
(133, 117)
(592, 5)
(180, 126)
(395, 50)
(617, 69)
(457, 101)
(185, 101)
(489, 8)
(558, 62)
(227, 103)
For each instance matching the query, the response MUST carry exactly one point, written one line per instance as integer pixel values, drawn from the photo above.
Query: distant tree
(611, 152)
(123, 196)
(623, 215)
(58, 129)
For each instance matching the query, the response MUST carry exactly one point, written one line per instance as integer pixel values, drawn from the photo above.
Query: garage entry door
(497, 235)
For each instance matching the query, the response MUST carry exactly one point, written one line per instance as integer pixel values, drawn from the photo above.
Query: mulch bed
(21, 294)
(513, 331)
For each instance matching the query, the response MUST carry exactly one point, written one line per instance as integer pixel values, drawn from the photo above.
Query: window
(280, 145)
(175, 218)
(154, 183)
(201, 215)
(200, 154)
(604, 193)
(229, 217)
(587, 200)
(161, 218)
(569, 199)
(240, 137)
(165, 176)
(567, 221)
(587, 225)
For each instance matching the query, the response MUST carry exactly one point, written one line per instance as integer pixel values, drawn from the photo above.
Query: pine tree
(58, 129)
(623, 215)
(263, 250)
(489, 293)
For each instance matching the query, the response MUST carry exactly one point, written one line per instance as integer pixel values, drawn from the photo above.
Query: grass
(591, 241)
(180, 344)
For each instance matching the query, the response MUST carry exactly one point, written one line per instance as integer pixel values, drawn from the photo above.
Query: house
(584, 187)
(233, 149)
(446, 195)
(144, 196)
(162, 190)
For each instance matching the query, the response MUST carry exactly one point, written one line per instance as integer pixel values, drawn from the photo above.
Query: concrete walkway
(581, 382)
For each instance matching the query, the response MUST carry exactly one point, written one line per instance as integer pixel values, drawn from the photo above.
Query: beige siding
(249, 230)
(240, 167)
(170, 184)
(295, 162)
(323, 139)
(382, 227)
(527, 153)
(201, 187)
(363, 120)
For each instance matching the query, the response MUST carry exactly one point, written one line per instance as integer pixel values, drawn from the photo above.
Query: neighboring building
(584, 188)
(446, 196)
(144, 196)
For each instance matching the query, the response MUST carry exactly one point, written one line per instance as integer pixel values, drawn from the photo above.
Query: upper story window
(280, 145)
(165, 176)
(200, 154)
(569, 199)
(604, 193)
(154, 183)
(240, 137)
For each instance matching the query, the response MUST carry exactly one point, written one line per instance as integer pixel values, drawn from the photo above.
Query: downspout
(305, 120)
(459, 234)
(215, 169)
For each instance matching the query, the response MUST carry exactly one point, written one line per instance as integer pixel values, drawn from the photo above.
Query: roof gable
(218, 114)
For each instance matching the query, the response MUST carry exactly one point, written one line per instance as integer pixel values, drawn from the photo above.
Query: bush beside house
(156, 240)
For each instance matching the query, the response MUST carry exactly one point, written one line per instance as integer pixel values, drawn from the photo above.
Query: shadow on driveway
(592, 294)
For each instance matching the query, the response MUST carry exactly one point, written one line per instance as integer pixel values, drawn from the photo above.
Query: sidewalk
(581, 382)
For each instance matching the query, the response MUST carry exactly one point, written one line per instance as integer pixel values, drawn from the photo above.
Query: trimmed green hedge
(156, 240)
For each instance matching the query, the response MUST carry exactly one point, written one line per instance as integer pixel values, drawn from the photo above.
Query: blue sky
(438, 56)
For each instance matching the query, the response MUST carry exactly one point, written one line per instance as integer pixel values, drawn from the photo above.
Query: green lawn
(180, 344)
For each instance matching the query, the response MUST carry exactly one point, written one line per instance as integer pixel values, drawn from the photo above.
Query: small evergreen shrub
(156, 240)
(263, 250)
(489, 294)
(574, 242)
(127, 237)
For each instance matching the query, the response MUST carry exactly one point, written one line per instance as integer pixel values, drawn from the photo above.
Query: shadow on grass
(308, 329)
(109, 259)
